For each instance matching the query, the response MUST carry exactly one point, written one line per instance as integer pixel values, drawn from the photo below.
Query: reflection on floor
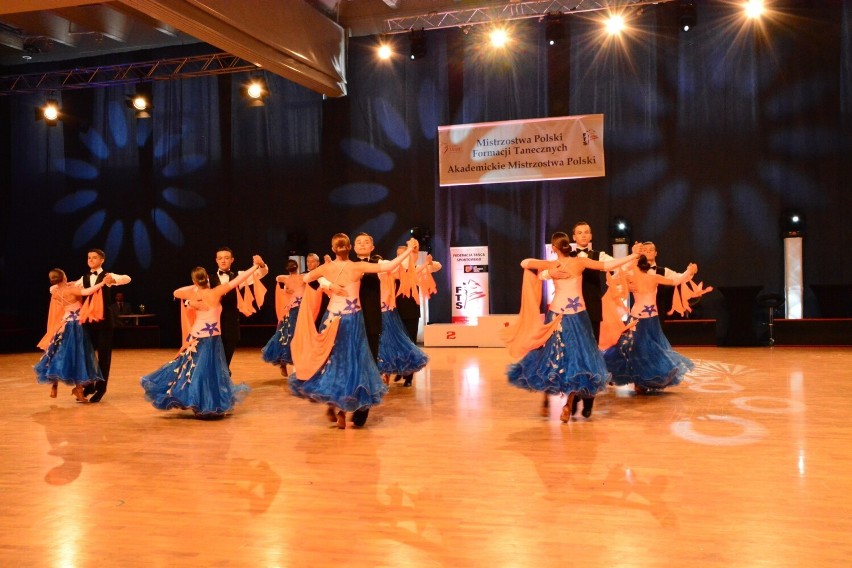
(744, 464)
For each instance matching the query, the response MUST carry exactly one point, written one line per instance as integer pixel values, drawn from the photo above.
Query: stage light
(140, 102)
(255, 91)
(554, 31)
(614, 25)
(384, 51)
(499, 37)
(754, 8)
(792, 224)
(686, 16)
(620, 230)
(49, 113)
(793, 230)
(417, 44)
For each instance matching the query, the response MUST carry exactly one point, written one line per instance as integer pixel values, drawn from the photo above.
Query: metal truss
(505, 12)
(106, 75)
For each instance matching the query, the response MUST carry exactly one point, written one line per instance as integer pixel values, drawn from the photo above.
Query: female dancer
(568, 360)
(398, 354)
(643, 356)
(68, 356)
(345, 375)
(198, 379)
(288, 298)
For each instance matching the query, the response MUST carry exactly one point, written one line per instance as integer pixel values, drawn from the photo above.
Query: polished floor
(747, 463)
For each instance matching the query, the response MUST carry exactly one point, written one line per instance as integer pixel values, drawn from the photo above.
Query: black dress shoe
(574, 405)
(96, 397)
(359, 417)
(587, 406)
(88, 390)
(408, 379)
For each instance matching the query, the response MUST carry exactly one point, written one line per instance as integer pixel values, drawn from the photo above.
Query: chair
(771, 302)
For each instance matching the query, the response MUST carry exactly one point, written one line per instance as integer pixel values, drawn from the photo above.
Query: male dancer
(664, 293)
(230, 318)
(371, 307)
(101, 332)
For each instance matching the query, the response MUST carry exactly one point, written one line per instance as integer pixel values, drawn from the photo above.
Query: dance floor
(746, 463)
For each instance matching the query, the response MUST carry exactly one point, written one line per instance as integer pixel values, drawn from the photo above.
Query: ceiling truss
(505, 12)
(106, 75)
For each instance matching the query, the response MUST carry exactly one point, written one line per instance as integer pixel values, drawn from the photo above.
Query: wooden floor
(747, 463)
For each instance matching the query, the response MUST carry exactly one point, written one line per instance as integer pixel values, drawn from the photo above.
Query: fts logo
(467, 292)
(588, 136)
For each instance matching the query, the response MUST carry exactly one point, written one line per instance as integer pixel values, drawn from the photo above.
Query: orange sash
(93, 308)
(408, 279)
(528, 332)
(309, 348)
(683, 293)
(246, 300)
(613, 309)
(54, 323)
(187, 320)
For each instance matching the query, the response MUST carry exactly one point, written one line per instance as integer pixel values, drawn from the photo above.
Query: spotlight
(554, 31)
(615, 25)
(49, 113)
(754, 9)
(792, 224)
(255, 91)
(499, 37)
(686, 17)
(417, 44)
(140, 102)
(620, 230)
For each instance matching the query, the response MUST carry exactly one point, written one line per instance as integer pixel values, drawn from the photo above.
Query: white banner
(521, 150)
(469, 279)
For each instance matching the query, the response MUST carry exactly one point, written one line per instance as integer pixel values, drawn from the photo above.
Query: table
(135, 317)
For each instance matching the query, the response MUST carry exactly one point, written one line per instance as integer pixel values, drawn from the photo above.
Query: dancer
(399, 355)
(100, 331)
(562, 356)
(312, 261)
(198, 379)
(230, 319)
(398, 352)
(288, 298)
(337, 366)
(643, 356)
(69, 356)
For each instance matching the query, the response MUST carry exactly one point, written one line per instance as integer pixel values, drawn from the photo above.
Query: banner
(521, 150)
(469, 279)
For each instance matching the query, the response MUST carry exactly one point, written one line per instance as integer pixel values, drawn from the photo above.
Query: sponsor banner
(469, 279)
(521, 150)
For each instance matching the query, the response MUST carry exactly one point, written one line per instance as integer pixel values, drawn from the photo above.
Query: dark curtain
(710, 137)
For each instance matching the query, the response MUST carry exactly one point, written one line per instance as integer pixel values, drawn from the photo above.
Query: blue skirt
(568, 362)
(197, 379)
(397, 354)
(69, 358)
(277, 349)
(349, 379)
(645, 357)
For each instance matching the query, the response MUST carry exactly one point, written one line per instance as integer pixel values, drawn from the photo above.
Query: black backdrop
(710, 136)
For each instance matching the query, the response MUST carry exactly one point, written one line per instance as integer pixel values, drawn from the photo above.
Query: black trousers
(101, 337)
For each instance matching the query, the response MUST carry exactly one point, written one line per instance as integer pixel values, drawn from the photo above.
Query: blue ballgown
(349, 379)
(397, 354)
(645, 357)
(277, 349)
(569, 361)
(69, 358)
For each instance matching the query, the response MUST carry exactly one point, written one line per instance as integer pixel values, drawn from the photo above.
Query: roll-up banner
(469, 278)
(521, 150)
